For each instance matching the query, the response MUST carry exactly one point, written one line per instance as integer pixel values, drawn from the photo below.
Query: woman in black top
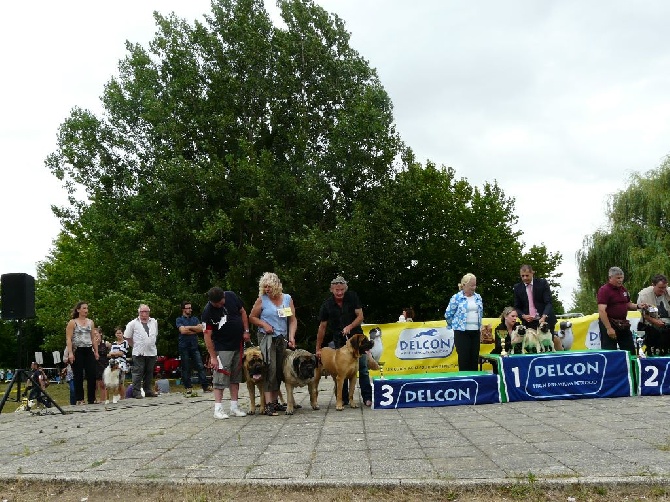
(509, 322)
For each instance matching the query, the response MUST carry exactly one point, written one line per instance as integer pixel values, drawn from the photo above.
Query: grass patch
(23, 453)
(22, 490)
(60, 393)
(664, 446)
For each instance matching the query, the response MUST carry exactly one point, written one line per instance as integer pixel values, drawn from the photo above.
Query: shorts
(232, 364)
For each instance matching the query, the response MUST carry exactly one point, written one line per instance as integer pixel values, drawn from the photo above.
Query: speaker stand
(19, 376)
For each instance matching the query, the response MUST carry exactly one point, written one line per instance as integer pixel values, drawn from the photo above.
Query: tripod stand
(21, 375)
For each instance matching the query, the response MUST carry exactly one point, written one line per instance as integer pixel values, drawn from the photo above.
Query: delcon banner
(571, 375)
(459, 389)
(409, 348)
(654, 376)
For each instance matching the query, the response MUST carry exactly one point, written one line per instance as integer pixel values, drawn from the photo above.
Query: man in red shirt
(613, 306)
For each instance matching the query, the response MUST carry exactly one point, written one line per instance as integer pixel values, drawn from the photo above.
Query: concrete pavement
(172, 438)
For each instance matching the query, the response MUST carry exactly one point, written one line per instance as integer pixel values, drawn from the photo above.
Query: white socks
(218, 407)
(233, 405)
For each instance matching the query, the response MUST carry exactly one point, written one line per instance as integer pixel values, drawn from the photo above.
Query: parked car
(170, 365)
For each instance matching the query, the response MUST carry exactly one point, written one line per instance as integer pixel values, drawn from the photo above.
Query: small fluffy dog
(111, 379)
(375, 335)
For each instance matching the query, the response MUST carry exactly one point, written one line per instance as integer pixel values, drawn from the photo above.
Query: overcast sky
(559, 101)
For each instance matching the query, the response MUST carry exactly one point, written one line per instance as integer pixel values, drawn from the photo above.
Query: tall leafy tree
(223, 147)
(637, 237)
(231, 147)
(410, 242)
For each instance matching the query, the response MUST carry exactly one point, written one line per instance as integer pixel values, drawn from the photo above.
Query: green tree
(637, 237)
(223, 148)
(584, 299)
(232, 147)
(412, 239)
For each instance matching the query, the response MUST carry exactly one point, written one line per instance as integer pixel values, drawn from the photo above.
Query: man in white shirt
(141, 334)
(657, 323)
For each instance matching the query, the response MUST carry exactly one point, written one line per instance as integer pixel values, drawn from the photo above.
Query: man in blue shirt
(189, 326)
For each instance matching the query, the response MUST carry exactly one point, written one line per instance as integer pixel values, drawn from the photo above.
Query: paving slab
(176, 439)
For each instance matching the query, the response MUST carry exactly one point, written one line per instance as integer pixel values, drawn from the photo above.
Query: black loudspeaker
(18, 296)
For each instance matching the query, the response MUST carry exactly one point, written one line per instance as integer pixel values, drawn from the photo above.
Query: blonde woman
(509, 321)
(464, 315)
(274, 314)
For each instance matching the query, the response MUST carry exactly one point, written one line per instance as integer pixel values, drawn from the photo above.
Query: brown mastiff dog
(254, 374)
(299, 370)
(342, 364)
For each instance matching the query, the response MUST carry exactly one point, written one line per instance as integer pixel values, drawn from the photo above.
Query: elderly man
(141, 334)
(613, 306)
(341, 316)
(657, 324)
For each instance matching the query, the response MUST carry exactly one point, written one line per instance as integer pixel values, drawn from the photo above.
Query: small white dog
(111, 379)
(375, 336)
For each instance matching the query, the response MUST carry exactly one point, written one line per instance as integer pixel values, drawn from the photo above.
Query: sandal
(270, 410)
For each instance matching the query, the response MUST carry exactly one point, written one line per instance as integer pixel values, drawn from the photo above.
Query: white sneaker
(236, 412)
(220, 414)
(116, 398)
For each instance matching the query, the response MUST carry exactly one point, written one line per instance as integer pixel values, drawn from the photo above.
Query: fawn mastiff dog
(299, 370)
(342, 364)
(254, 371)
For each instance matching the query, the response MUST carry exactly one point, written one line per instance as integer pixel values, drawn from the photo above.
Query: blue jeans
(73, 399)
(186, 354)
(364, 378)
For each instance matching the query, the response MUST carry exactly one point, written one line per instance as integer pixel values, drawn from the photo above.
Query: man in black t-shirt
(226, 330)
(341, 316)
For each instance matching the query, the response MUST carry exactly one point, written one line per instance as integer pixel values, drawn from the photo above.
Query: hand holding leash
(214, 362)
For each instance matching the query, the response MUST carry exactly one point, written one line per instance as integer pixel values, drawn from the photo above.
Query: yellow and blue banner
(408, 348)
(567, 375)
(428, 390)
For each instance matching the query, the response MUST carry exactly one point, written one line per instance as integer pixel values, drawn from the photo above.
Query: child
(162, 386)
